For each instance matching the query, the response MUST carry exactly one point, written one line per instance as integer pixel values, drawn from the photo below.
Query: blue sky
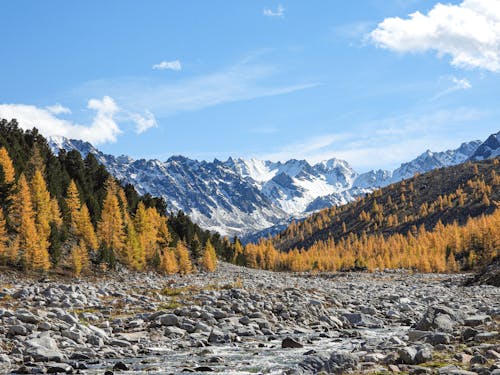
(372, 82)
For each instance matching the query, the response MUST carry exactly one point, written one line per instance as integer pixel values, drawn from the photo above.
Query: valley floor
(239, 320)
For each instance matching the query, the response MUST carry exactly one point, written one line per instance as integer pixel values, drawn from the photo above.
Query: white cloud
(168, 65)
(468, 32)
(144, 122)
(457, 84)
(103, 128)
(387, 142)
(279, 12)
(58, 109)
(239, 82)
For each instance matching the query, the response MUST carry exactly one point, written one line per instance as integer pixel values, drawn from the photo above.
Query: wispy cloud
(457, 84)
(385, 142)
(239, 82)
(279, 12)
(103, 128)
(468, 32)
(168, 65)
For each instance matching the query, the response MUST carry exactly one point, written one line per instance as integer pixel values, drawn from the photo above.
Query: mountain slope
(446, 195)
(246, 196)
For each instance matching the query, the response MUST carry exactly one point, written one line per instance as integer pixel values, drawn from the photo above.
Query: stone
(477, 320)
(424, 354)
(218, 337)
(478, 359)
(341, 362)
(437, 318)
(120, 343)
(59, 368)
(407, 355)
(5, 363)
(486, 336)
(363, 320)
(438, 338)
(18, 330)
(169, 320)
(290, 343)
(120, 366)
(26, 317)
(44, 349)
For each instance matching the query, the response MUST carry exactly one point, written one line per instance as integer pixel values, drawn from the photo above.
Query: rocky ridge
(246, 196)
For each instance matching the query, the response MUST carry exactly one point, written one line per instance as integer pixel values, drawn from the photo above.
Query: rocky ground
(238, 320)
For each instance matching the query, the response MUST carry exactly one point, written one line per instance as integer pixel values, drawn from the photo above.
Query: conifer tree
(80, 258)
(110, 229)
(34, 249)
(3, 235)
(169, 262)
(42, 205)
(85, 229)
(183, 260)
(209, 259)
(73, 203)
(7, 181)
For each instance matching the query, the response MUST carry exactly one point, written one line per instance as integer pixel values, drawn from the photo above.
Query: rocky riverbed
(238, 320)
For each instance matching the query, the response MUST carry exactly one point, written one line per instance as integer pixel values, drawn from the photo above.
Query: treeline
(446, 248)
(446, 220)
(65, 213)
(447, 195)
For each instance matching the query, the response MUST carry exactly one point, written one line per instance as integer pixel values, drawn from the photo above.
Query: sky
(372, 82)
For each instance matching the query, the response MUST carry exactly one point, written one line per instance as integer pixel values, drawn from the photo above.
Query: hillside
(443, 221)
(253, 198)
(448, 194)
(65, 213)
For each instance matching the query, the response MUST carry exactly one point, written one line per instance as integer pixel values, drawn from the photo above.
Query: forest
(66, 214)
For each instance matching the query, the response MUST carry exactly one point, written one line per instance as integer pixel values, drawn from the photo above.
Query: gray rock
(18, 330)
(290, 343)
(407, 355)
(5, 363)
(218, 337)
(120, 343)
(27, 317)
(59, 368)
(341, 362)
(363, 320)
(437, 318)
(438, 338)
(44, 349)
(476, 320)
(169, 320)
(424, 354)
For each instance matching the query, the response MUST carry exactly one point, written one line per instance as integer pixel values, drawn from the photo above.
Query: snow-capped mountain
(489, 149)
(234, 197)
(423, 163)
(246, 196)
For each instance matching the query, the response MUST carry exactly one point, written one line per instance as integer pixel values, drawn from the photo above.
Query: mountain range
(247, 196)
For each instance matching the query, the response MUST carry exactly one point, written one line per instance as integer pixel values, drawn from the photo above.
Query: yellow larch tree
(80, 258)
(34, 248)
(9, 174)
(85, 228)
(209, 259)
(182, 252)
(73, 203)
(169, 262)
(42, 206)
(110, 229)
(3, 236)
